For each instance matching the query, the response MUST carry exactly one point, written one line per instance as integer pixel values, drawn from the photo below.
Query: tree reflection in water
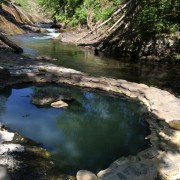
(93, 131)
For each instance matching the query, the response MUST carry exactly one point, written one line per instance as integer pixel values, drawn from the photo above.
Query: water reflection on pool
(93, 131)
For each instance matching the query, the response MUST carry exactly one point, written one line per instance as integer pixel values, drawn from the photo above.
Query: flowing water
(92, 132)
(159, 75)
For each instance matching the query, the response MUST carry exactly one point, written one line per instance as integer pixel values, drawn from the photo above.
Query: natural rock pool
(92, 132)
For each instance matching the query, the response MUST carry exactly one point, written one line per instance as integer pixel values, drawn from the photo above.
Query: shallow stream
(164, 76)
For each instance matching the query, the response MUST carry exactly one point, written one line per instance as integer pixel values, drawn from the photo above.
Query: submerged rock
(45, 58)
(59, 104)
(48, 96)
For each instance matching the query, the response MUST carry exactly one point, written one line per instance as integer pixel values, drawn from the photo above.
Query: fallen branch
(123, 24)
(105, 22)
(10, 43)
(117, 22)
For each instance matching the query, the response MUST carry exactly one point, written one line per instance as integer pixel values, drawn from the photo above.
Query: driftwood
(106, 21)
(10, 43)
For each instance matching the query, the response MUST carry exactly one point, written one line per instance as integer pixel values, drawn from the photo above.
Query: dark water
(164, 76)
(93, 131)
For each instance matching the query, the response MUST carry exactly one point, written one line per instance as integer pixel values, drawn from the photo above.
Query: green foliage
(79, 16)
(156, 17)
(152, 17)
(76, 11)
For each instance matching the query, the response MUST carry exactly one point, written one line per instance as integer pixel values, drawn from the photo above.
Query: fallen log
(106, 21)
(10, 43)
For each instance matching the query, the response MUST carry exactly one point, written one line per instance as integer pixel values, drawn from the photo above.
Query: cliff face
(10, 22)
(14, 19)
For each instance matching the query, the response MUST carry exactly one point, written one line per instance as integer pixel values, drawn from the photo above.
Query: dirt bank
(15, 20)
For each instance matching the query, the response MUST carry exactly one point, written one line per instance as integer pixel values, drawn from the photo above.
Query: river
(164, 76)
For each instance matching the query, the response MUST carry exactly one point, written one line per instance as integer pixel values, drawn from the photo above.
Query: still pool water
(159, 75)
(92, 132)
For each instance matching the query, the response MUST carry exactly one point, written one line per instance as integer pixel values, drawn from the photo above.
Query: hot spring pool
(92, 132)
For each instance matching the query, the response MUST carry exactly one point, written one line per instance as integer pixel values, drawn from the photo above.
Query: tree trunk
(125, 24)
(106, 21)
(10, 43)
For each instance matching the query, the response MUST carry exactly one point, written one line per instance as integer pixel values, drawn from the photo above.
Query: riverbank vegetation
(133, 28)
(124, 28)
(150, 16)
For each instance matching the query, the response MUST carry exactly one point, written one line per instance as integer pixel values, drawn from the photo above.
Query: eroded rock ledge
(162, 159)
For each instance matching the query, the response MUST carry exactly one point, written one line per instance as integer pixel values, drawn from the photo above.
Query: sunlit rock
(85, 175)
(59, 104)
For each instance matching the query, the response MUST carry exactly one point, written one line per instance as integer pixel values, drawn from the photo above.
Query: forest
(142, 20)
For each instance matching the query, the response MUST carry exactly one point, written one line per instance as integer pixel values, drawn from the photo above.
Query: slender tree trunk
(123, 24)
(109, 19)
(10, 43)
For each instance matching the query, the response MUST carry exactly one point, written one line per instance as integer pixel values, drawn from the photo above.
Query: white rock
(4, 148)
(6, 136)
(59, 104)
(85, 175)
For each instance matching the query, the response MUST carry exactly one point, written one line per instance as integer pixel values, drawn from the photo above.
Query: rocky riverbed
(160, 161)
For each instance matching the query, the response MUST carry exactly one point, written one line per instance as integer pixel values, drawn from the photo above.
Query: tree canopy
(161, 16)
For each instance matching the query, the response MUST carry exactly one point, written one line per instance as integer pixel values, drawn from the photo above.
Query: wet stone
(137, 169)
(149, 153)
